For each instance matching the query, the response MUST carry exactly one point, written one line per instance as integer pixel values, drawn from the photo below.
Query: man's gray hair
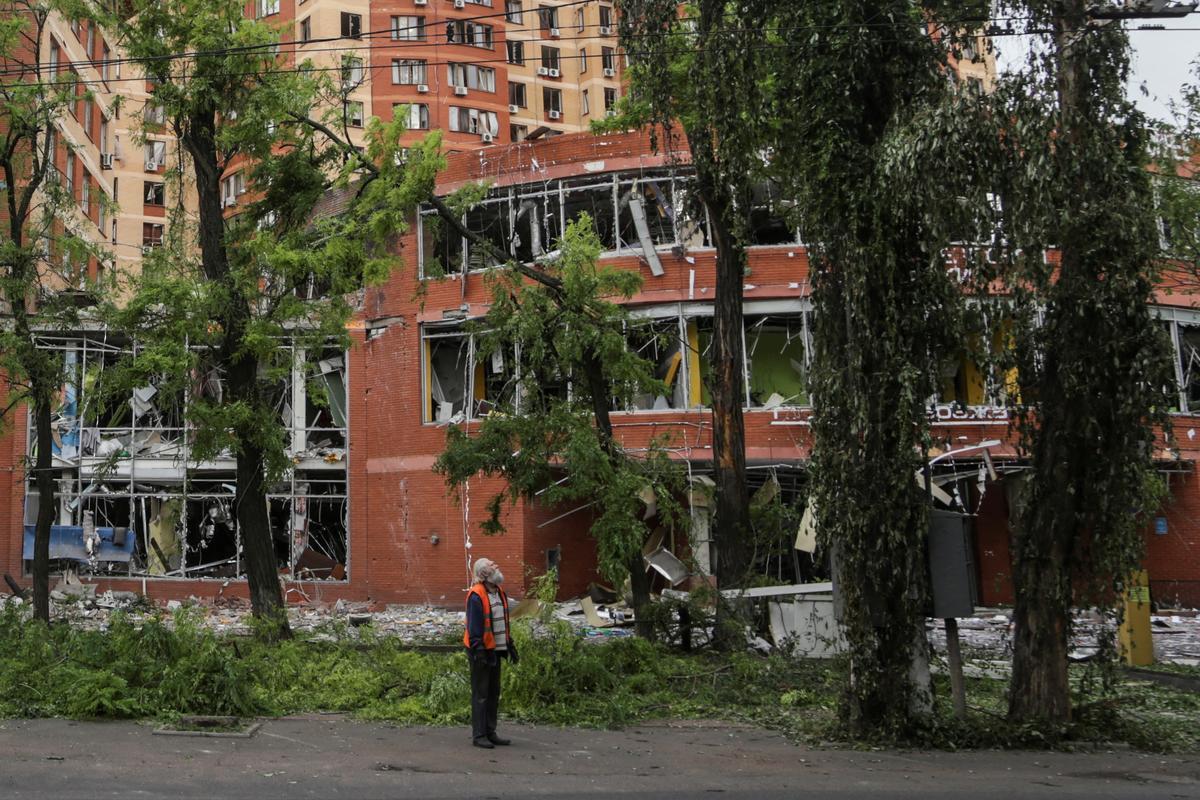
(484, 569)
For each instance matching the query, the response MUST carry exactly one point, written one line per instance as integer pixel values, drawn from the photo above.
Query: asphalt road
(331, 757)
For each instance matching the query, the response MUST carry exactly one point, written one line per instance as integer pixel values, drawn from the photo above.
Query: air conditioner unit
(106, 161)
(461, 91)
(543, 71)
(420, 2)
(487, 137)
(612, 112)
(460, 3)
(230, 202)
(146, 249)
(554, 33)
(554, 73)
(151, 166)
(606, 30)
(609, 72)
(512, 108)
(554, 114)
(422, 88)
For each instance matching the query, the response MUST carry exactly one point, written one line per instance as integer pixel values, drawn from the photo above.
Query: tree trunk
(639, 583)
(731, 528)
(254, 528)
(44, 480)
(258, 548)
(1039, 689)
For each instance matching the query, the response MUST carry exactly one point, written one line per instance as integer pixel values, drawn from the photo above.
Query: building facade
(397, 533)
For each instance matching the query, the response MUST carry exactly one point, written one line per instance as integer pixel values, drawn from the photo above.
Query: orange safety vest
(489, 640)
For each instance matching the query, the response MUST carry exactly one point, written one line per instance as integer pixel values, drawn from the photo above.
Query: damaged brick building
(363, 517)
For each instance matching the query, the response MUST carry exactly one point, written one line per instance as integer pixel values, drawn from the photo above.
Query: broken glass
(595, 200)
(777, 353)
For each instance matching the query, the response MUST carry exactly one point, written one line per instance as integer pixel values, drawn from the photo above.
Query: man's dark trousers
(485, 693)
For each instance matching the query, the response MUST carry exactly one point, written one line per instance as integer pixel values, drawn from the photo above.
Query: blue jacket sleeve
(475, 621)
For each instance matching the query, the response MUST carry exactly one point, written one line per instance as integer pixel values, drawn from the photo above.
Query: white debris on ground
(987, 636)
(416, 624)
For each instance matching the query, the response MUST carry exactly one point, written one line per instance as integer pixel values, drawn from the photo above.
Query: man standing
(487, 641)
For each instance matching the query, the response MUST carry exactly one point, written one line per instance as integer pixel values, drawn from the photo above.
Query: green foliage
(566, 327)
(1177, 187)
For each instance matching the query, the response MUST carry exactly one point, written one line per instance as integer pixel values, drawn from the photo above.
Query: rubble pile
(988, 636)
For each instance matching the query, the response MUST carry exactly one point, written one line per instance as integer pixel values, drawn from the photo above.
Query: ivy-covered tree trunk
(1097, 367)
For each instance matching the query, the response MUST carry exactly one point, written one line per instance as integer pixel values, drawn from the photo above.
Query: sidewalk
(330, 756)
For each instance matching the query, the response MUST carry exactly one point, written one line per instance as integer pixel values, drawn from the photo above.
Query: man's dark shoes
(494, 739)
(482, 743)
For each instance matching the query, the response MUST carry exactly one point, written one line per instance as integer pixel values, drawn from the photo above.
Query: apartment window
(154, 114)
(85, 193)
(608, 58)
(547, 17)
(306, 29)
(518, 133)
(582, 61)
(472, 120)
(267, 7)
(465, 31)
(154, 194)
(76, 28)
(585, 107)
(103, 134)
(418, 115)
(513, 12)
(580, 24)
(156, 155)
(232, 187)
(408, 72)
(516, 52)
(480, 78)
(101, 212)
(89, 112)
(552, 99)
(408, 29)
(354, 113)
(606, 17)
(351, 25)
(516, 95)
(352, 72)
(52, 66)
(105, 58)
(610, 99)
(152, 234)
(69, 183)
(90, 45)
(550, 57)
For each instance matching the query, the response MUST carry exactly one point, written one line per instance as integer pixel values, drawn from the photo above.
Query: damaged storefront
(132, 501)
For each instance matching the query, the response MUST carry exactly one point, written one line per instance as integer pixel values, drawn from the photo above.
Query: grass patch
(170, 667)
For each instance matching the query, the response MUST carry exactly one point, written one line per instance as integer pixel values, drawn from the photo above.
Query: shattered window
(537, 220)
(131, 502)
(1189, 363)
(647, 213)
(595, 200)
(700, 342)
(767, 217)
(658, 342)
(441, 248)
(489, 220)
(447, 375)
(777, 354)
